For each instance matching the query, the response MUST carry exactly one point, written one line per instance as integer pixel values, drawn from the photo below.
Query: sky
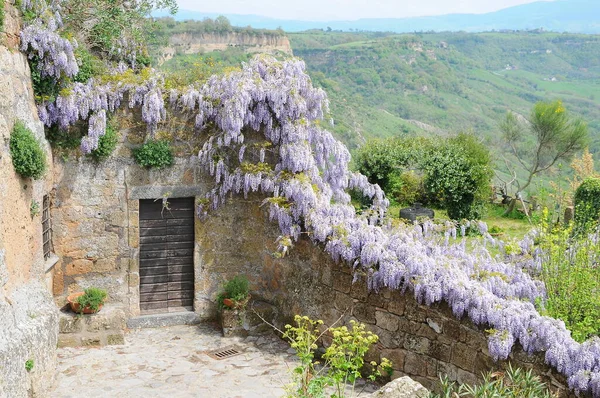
(328, 10)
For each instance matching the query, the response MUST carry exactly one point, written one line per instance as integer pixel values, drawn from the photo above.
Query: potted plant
(89, 301)
(232, 302)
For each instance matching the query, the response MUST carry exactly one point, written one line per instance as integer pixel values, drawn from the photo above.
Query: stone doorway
(166, 256)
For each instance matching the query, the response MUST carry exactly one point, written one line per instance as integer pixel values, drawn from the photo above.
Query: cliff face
(194, 43)
(28, 316)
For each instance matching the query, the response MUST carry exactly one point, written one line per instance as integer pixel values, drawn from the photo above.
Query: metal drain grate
(224, 353)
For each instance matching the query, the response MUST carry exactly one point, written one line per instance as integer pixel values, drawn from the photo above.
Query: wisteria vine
(306, 185)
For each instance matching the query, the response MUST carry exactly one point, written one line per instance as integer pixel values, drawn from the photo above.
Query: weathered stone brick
(377, 300)
(386, 321)
(91, 341)
(463, 356)
(78, 267)
(415, 364)
(417, 344)
(115, 339)
(342, 282)
(68, 340)
(396, 306)
(440, 351)
(69, 324)
(396, 356)
(359, 291)
(364, 313)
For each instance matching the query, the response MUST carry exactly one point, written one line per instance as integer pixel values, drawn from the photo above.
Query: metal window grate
(224, 353)
(46, 227)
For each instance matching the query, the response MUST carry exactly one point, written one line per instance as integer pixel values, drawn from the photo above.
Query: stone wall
(28, 316)
(422, 342)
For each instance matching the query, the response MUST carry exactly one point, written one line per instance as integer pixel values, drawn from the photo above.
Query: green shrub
(587, 203)
(106, 145)
(407, 188)
(236, 289)
(92, 298)
(512, 383)
(571, 275)
(457, 175)
(28, 157)
(154, 154)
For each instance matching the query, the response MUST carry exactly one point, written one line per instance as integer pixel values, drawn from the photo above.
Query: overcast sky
(320, 10)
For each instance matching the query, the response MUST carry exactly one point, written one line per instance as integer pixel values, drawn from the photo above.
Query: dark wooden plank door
(166, 255)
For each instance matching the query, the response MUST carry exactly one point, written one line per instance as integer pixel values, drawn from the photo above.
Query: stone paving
(172, 362)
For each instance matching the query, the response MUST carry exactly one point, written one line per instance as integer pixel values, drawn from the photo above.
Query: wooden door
(166, 255)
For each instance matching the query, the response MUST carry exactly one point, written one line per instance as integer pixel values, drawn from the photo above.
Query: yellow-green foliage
(343, 359)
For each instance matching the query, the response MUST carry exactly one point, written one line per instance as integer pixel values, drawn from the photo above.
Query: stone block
(364, 313)
(111, 319)
(467, 377)
(396, 306)
(105, 265)
(66, 340)
(359, 291)
(415, 364)
(417, 344)
(93, 341)
(403, 387)
(134, 238)
(115, 339)
(386, 321)
(377, 300)
(134, 219)
(78, 267)
(69, 323)
(440, 351)
(464, 356)
(396, 356)
(448, 369)
(342, 282)
(343, 302)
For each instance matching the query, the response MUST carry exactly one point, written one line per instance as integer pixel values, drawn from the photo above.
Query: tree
(548, 136)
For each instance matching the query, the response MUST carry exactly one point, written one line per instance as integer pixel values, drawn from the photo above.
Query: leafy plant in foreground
(27, 154)
(92, 298)
(343, 360)
(512, 383)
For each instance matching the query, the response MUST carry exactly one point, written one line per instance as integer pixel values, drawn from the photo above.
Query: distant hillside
(576, 16)
(386, 85)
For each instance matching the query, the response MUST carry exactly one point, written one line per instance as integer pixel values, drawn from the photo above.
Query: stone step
(107, 327)
(162, 320)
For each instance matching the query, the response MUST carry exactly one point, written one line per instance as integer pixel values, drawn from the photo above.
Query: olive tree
(548, 136)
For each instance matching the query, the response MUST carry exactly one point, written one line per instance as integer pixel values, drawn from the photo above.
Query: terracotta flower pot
(227, 302)
(72, 299)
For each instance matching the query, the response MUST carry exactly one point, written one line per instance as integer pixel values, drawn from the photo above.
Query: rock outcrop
(195, 43)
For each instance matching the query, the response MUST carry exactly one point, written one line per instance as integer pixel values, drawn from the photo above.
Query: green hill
(383, 85)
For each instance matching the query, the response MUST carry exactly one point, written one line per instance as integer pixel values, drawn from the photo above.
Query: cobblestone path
(172, 362)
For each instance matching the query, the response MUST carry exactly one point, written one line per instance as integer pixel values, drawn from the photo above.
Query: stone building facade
(28, 316)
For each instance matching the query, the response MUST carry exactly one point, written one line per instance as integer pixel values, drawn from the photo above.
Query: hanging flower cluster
(306, 187)
(93, 99)
(41, 41)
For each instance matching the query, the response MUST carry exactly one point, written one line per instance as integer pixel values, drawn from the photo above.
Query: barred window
(46, 228)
